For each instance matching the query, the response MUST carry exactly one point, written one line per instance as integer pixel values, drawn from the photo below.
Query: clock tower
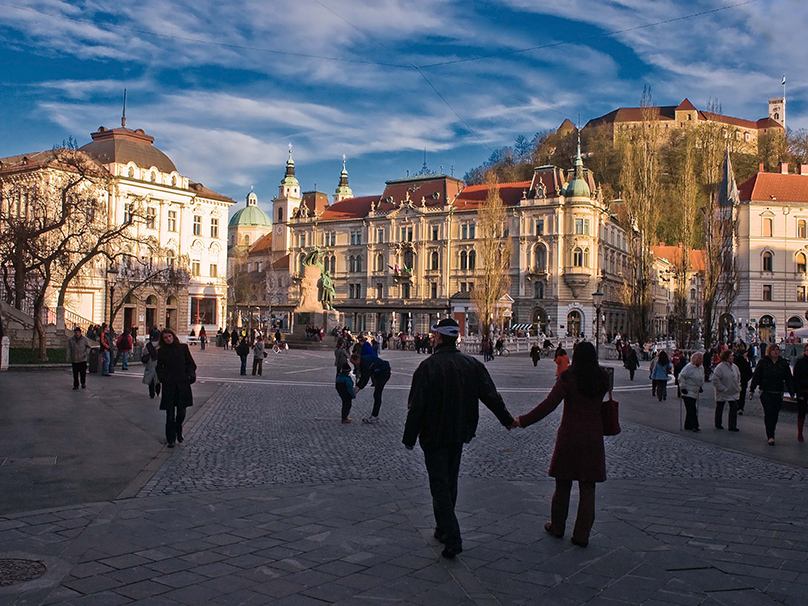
(288, 199)
(777, 110)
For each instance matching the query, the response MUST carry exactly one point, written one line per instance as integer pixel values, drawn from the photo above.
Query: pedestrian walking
(745, 369)
(149, 360)
(443, 415)
(226, 338)
(727, 385)
(345, 389)
(630, 361)
(176, 370)
(104, 346)
(77, 350)
(579, 454)
(801, 386)
(377, 371)
(535, 354)
(243, 350)
(691, 380)
(259, 353)
(773, 376)
(203, 338)
(562, 360)
(660, 369)
(234, 338)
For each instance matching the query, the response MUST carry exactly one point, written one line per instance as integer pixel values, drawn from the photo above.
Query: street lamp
(597, 299)
(112, 275)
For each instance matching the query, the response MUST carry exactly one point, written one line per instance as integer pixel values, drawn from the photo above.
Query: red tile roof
(262, 245)
(204, 192)
(436, 190)
(674, 255)
(773, 187)
(282, 263)
(474, 196)
(686, 105)
(351, 208)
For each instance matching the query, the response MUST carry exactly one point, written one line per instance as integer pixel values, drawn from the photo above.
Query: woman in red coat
(579, 453)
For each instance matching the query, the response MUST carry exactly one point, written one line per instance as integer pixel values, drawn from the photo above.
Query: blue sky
(225, 87)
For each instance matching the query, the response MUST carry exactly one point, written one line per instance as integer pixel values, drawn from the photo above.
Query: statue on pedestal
(326, 291)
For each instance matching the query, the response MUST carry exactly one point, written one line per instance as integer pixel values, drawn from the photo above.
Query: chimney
(783, 168)
(803, 168)
(760, 167)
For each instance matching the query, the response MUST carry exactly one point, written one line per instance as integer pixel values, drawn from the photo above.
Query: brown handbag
(610, 416)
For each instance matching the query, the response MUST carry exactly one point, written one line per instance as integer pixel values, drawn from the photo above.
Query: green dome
(250, 216)
(578, 187)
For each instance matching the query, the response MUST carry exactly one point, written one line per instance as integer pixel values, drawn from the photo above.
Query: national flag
(784, 80)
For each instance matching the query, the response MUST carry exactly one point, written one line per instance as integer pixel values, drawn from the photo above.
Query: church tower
(777, 110)
(288, 199)
(343, 191)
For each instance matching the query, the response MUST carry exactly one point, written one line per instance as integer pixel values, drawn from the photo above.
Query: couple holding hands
(444, 412)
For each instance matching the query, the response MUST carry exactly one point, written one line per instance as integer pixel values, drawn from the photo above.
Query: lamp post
(112, 276)
(597, 299)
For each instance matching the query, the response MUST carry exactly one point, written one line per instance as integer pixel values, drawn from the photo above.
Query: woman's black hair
(663, 359)
(590, 378)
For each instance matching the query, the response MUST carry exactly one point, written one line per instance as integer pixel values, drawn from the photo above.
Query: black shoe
(75, 387)
(157, 389)
(83, 386)
(696, 429)
(579, 543)
(734, 429)
(450, 552)
(740, 412)
(170, 444)
(180, 439)
(719, 427)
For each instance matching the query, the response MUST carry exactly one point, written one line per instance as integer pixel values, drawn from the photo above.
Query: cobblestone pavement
(271, 500)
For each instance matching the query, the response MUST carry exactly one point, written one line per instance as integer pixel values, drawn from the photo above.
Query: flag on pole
(784, 80)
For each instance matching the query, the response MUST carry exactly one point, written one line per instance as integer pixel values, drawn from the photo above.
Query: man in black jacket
(443, 415)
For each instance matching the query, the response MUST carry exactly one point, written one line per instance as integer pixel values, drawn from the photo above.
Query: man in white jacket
(690, 381)
(727, 385)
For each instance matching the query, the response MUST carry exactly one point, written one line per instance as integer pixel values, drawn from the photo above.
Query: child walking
(345, 389)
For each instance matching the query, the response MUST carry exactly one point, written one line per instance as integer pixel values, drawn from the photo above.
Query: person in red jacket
(104, 345)
(124, 347)
(579, 453)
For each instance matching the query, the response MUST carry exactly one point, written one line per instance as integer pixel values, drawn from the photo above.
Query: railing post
(4, 353)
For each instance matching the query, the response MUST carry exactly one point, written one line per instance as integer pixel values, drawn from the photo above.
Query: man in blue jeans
(104, 343)
(371, 368)
(443, 415)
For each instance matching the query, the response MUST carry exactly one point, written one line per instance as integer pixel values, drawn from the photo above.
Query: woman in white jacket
(690, 381)
(727, 384)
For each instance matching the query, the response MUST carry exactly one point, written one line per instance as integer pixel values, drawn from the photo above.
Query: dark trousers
(443, 467)
(243, 364)
(154, 388)
(771, 410)
(378, 388)
(79, 370)
(631, 372)
(535, 361)
(175, 415)
(346, 405)
(691, 413)
(742, 397)
(258, 364)
(586, 509)
(661, 389)
(802, 407)
(733, 414)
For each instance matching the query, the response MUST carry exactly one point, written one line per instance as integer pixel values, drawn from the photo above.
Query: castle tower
(288, 199)
(343, 191)
(777, 110)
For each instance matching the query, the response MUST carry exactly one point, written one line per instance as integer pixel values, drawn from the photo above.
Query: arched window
(538, 289)
(801, 265)
(472, 260)
(380, 262)
(280, 215)
(333, 264)
(151, 300)
(359, 262)
(540, 258)
(767, 261)
(409, 260)
(352, 263)
(802, 232)
(577, 257)
(768, 227)
(464, 260)
(246, 240)
(435, 260)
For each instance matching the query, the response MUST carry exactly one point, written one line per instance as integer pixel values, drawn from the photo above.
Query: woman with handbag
(579, 453)
(176, 370)
(691, 379)
(259, 353)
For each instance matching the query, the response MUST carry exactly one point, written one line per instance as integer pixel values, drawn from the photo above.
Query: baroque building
(404, 258)
(183, 222)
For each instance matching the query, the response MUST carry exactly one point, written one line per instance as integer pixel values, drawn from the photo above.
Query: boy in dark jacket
(345, 389)
(377, 371)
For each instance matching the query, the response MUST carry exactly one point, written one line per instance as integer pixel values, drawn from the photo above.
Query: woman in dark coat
(579, 453)
(630, 361)
(773, 376)
(177, 371)
(535, 354)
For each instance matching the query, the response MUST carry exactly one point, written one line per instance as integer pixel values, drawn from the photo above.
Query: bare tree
(46, 210)
(640, 153)
(493, 258)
